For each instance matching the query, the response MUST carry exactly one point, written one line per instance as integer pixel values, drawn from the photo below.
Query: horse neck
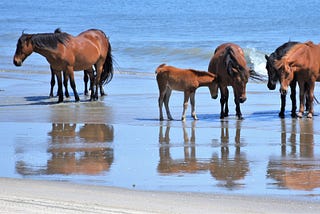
(47, 53)
(205, 80)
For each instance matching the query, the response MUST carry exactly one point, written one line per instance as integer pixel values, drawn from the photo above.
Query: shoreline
(140, 136)
(30, 196)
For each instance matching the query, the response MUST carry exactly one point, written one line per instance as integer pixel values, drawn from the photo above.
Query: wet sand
(26, 196)
(30, 129)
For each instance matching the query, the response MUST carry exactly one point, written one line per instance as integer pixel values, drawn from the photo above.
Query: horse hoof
(300, 115)
(293, 115)
(309, 115)
(281, 115)
(240, 118)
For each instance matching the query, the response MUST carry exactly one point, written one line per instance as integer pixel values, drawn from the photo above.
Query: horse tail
(107, 73)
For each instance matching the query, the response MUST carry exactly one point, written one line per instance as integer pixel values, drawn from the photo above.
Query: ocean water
(144, 34)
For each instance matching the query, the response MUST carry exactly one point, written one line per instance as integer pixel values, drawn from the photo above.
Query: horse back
(218, 63)
(177, 78)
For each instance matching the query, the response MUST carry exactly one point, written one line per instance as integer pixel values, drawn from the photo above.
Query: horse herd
(90, 51)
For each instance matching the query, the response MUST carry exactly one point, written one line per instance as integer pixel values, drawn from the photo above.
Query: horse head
(23, 50)
(273, 75)
(238, 71)
(286, 74)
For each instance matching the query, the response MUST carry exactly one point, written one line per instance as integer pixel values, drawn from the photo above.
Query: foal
(187, 80)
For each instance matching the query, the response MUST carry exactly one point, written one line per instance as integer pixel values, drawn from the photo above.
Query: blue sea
(144, 34)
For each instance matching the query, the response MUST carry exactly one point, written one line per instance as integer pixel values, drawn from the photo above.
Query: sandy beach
(26, 196)
(139, 172)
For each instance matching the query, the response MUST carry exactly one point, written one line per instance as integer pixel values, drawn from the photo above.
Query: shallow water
(118, 141)
(145, 34)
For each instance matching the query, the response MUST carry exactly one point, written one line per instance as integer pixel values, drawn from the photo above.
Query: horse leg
(73, 84)
(283, 105)
(238, 110)
(85, 80)
(60, 91)
(166, 102)
(193, 105)
(293, 85)
(185, 104)
(223, 98)
(310, 95)
(101, 90)
(99, 69)
(52, 82)
(65, 83)
(301, 99)
(307, 98)
(226, 110)
(162, 94)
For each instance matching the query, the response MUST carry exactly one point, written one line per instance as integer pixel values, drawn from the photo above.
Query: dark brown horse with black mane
(229, 64)
(274, 76)
(303, 63)
(67, 53)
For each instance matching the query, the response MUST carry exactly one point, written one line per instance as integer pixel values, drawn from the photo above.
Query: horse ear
(266, 56)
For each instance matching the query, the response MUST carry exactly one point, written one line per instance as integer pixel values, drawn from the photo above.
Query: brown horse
(187, 80)
(274, 76)
(67, 53)
(229, 64)
(86, 76)
(301, 62)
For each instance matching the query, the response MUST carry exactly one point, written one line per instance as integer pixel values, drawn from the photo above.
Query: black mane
(282, 50)
(48, 40)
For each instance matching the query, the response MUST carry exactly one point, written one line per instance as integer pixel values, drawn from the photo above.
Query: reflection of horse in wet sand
(189, 162)
(82, 158)
(84, 152)
(297, 168)
(229, 168)
(301, 62)
(229, 64)
(225, 168)
(187, 80)
(67, 53)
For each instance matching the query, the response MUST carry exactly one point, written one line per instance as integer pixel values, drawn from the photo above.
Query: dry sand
(30, 196)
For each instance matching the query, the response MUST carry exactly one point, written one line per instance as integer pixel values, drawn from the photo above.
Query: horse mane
(160, 66)
(283, 49)
(291, 54)
(50, 40)
(199, 73)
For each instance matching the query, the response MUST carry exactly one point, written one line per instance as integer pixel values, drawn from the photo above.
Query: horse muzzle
(242, 99)
(271, 86)
(17, 62)
(214, 96)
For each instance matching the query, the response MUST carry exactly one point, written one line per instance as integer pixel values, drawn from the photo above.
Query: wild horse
(302, 63)
(229, 64)
(274, 76)
(86, 76)
(187, 80)
(67, 53)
